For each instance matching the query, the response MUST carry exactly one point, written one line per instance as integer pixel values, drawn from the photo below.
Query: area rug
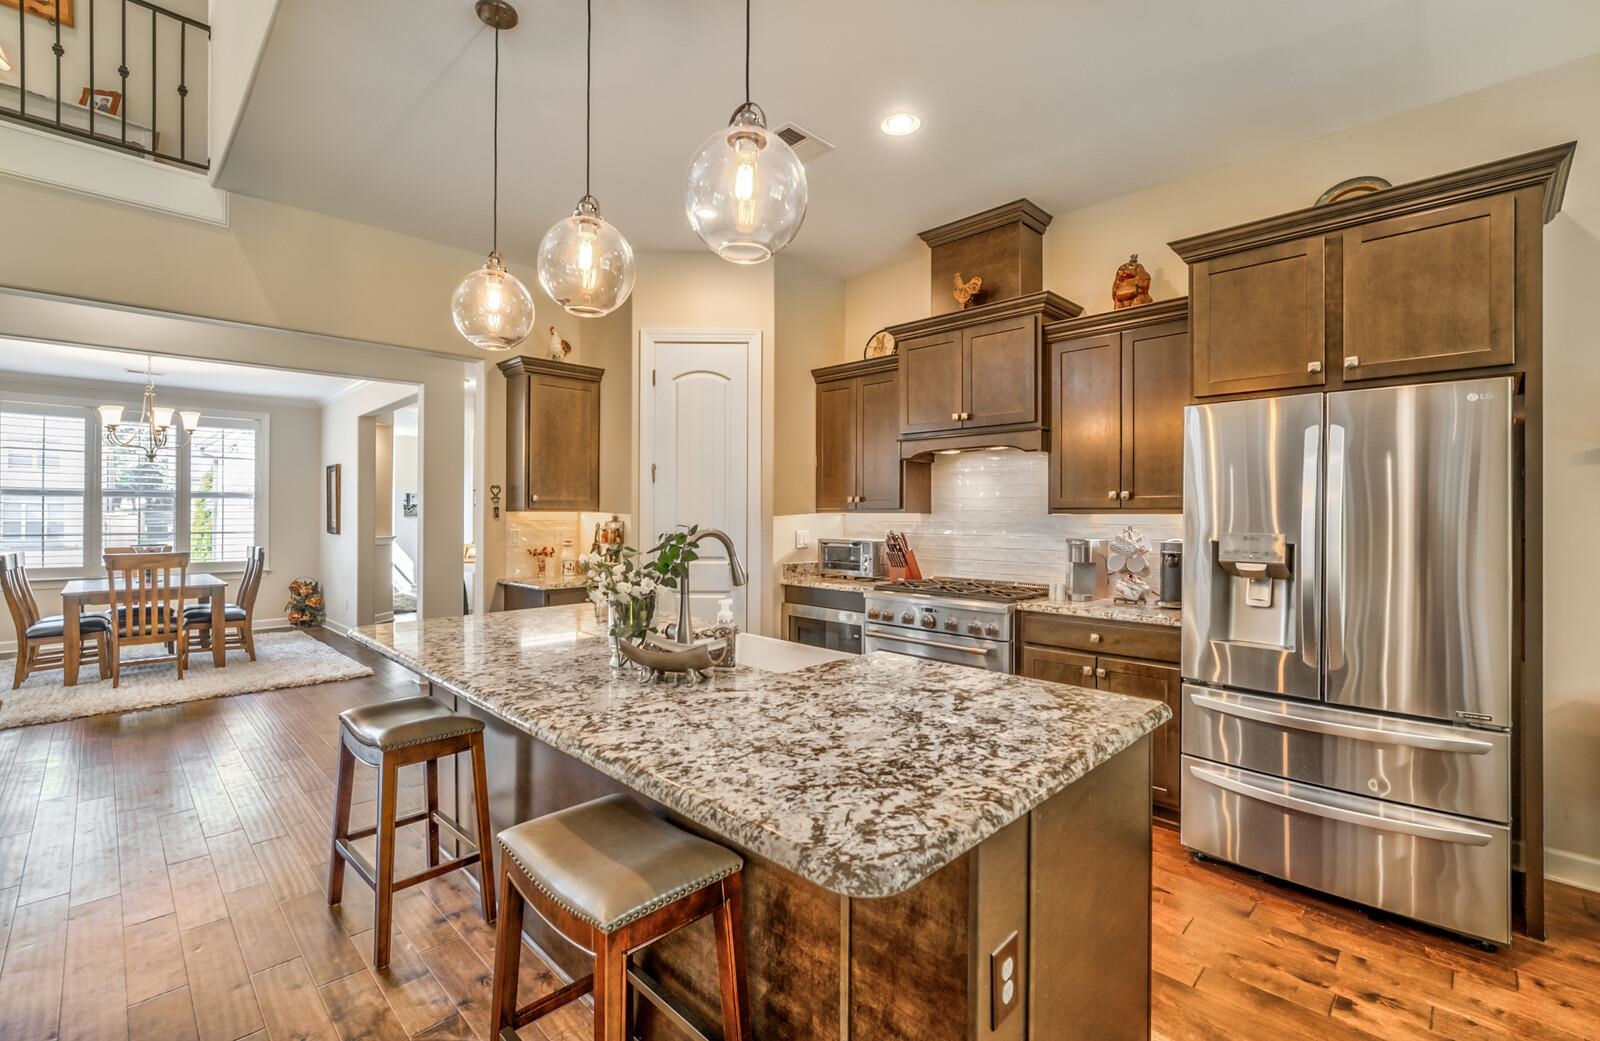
(283, 659)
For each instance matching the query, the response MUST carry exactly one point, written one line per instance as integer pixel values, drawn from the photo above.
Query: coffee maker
(1171, 573)
(1086, 574)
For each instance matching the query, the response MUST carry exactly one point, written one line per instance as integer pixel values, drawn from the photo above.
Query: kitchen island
(902, 821)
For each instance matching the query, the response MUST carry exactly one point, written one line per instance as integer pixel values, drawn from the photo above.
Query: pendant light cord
(494, 235)
(747, 52)
(588, 90)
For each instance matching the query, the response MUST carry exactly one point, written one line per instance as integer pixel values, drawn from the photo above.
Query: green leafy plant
(673, 555)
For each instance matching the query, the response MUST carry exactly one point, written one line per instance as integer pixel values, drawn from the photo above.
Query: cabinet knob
(533, 498)
(1088, 670)
(1112, 495)
(1313, 366)
(1094, 637)
(1100, 673)
(1351, 361)
(1126, 496)
(955, 415)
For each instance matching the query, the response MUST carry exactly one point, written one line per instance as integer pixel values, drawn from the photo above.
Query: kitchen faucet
(685, 633)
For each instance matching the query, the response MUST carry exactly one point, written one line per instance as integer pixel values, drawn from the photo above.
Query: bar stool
(389, 735)
(611, 878)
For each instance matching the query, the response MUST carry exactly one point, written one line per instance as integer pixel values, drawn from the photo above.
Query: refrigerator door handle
(1289, 717)
(1311, 478)
(1335, 546)
(1435, 832)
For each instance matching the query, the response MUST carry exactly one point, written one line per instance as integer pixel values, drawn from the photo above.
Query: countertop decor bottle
(569, 559)
(726, 631)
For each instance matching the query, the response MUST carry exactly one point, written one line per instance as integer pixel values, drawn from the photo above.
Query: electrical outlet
(347, 603)
(802, 538)
(1005, 981)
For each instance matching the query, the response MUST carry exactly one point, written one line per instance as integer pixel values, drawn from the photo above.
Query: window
(66, 494)
(43, 470)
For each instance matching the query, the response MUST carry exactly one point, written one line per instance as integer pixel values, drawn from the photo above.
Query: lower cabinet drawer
(1150, 642)
(1447, 871)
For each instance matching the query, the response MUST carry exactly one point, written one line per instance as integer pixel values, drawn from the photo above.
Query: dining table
(199, 587)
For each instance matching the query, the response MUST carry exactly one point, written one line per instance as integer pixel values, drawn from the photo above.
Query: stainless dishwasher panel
(1433, 765)
(1444, 870)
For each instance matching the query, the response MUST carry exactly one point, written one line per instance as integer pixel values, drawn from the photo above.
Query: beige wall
(808, 316)
(293, 436)
(1084, 247)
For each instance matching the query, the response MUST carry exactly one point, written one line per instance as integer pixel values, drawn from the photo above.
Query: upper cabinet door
(1431, 292)
(1259, 319)
(879, 467)
(563, 430)
(1002, 372)
(1155, 388)
(837, 439)
(1086, 423)
(931, 383)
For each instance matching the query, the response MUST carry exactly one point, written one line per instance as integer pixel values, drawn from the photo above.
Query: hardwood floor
(161, 878)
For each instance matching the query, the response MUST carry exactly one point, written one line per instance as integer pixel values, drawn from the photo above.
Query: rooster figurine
(559, 348)
(967, 291)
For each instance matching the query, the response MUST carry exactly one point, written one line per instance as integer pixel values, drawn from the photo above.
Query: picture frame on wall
(108, 102)
(46, 9)
(335, 492)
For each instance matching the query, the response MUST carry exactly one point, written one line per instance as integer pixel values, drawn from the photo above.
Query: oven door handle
(985, 651)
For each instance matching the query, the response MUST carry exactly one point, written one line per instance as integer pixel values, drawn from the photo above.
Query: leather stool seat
(386, 725)
(609, 862)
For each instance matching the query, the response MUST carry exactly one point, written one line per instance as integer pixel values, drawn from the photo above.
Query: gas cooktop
(968, 589)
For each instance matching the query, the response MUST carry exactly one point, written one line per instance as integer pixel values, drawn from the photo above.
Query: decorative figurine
(1352, 187)
(1131, 287)
(968, 291)
(879, 345)
(1128, 562)
(559, 348)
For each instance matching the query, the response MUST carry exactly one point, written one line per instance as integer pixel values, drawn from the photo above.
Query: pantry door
(699, 456)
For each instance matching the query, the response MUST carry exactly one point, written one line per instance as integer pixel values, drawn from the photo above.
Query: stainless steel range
(965, 621)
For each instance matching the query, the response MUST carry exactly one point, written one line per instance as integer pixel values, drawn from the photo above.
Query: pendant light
(747, 189)
(491, 308)
(585, 264)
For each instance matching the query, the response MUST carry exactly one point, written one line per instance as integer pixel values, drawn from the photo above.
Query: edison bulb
(585, 263)
(492, 308)
(746, 194)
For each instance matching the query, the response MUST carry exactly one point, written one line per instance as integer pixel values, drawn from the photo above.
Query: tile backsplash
(529, 530)
(991, 519)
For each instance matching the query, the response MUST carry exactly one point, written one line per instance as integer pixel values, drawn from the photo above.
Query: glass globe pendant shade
(491, 308)
(746, 195)
(585, 264)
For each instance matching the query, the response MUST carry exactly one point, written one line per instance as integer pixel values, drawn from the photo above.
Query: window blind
(43, 469)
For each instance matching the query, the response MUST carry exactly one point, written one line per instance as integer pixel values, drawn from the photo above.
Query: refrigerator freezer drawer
(1447, 871)
(1432, 765)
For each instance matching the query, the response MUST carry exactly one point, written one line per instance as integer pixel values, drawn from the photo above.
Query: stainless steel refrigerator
(1348, 645)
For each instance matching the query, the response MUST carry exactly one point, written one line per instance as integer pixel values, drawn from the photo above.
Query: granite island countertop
(863, 776)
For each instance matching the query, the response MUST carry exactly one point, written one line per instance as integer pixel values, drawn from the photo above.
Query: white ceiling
(66, 361)
(378, 111)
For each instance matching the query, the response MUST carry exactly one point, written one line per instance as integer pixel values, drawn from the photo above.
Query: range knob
(908, 618)
(975, 628)
(872, 613)
(950, 623)
(928, 621)
(993, 629)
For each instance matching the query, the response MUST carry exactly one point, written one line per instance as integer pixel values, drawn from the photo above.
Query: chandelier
(154, 430)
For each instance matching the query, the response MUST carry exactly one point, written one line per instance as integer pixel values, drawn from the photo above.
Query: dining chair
(41, 641)
(238, 627)
(146, 592)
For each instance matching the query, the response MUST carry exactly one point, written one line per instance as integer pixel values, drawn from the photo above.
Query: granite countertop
(807, 575)
(1108, 610)
(553, 582)
(863, 776)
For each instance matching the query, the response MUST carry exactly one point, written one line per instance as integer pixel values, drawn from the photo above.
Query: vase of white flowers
(627, 589)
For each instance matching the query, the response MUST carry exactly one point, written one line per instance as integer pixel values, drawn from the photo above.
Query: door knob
(1313, 366)
(1126, 496)
(1351, 361)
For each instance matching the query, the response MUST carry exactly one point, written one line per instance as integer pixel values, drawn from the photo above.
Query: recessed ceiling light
(900, 124)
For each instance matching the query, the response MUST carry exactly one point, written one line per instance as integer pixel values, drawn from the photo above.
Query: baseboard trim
(1573, 869)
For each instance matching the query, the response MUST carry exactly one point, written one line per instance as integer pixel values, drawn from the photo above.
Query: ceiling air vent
(806, 145)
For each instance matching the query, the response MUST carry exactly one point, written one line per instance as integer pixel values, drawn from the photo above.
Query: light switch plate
(1005, 981)
(802, 538)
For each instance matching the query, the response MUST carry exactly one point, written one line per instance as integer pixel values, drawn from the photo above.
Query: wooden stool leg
(383, 912)
(507, 951)
(343, 789)
(611, 988)
(728, 920)
(430, 773)
(480, 797)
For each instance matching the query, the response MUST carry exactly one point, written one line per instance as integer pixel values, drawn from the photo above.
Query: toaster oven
(851, 558)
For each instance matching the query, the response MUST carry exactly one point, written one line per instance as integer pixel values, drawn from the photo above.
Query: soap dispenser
(724, 631)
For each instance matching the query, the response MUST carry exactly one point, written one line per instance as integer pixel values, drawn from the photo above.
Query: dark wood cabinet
(858, 442)
(1432, 291)
(1258, 319)
(519, 596)
(1121, 658)
(1119, 382)
(977, 371)
(552, 435)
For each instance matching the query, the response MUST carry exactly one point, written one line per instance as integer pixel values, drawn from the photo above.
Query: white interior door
(699, 448)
